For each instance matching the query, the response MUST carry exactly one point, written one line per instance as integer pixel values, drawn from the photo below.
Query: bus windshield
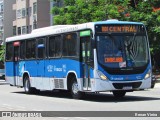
(122, 50)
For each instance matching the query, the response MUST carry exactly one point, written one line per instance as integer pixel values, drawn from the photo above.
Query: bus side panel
(58, 69)
(31, 68)
(9, 72)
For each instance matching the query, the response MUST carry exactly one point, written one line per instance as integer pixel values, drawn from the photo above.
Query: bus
(102, 56)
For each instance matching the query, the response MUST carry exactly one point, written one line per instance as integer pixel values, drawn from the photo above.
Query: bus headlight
(101, 75)
(148, 74)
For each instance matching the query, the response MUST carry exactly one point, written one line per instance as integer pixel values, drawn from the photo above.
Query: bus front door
(85, 56)
(16, 64)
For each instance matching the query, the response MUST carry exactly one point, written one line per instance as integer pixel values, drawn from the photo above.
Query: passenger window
(41, 48)
(22, 50)
(30, 49)
(9, 52)
(70, 45)
(55, 43)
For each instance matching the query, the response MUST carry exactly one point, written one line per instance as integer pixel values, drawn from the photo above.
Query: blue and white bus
(100, 56)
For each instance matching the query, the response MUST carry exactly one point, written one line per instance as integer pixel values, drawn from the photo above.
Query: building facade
(9, 16)
(19, 17)
(30, 14)
(1, 20)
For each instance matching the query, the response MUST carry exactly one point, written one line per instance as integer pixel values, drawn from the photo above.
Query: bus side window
(22, 50)
(9, 52)
(70, 44)
(30, 49)
(41, 48)
(55, 43)
(51, 46)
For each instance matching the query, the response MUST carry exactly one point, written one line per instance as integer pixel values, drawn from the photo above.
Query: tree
(81, 11)
(2, 53)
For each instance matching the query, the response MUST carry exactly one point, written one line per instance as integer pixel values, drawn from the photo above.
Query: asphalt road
(14, 99)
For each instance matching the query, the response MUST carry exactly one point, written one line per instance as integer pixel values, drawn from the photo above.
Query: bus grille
(132, 84)
(58, 83)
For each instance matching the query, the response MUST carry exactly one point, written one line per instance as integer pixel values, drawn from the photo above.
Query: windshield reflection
(127, 51)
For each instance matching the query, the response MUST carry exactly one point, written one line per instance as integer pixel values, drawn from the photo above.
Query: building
(30, 14)
(9, 16)
(22, 16)
(1, 20)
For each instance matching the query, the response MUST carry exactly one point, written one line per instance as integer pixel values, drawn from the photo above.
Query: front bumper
(98, 85)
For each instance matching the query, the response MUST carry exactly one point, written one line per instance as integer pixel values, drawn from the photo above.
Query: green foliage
(81, 11)
(2, 52)
(55, 10)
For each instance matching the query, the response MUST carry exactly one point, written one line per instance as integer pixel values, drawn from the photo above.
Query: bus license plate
(127, 87)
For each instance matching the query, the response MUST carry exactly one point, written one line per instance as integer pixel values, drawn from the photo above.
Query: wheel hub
(75, 88)
(26, 86)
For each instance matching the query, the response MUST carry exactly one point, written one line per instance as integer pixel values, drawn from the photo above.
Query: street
(14, 99)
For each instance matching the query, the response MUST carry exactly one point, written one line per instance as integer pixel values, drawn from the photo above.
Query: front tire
(76, 94)
(119, 94)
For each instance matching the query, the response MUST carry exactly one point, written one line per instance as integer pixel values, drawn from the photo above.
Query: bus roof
(53, 30)
(115, 21)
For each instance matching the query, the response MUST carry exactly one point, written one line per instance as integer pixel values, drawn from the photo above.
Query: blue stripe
(46, 68)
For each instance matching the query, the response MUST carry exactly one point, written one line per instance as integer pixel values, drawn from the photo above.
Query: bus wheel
(76, 94)
(119, 94)
(27, 86)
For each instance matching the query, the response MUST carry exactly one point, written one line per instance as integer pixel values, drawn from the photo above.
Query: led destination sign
(120, 28)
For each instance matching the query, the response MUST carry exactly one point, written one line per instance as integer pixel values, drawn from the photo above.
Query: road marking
(21, 108)
(18, 108)
(6, 106)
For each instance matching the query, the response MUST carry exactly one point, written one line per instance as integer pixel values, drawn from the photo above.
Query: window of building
(1, 22)
(19, 30)
(1, 29)
(31, 49)
(70, 44)
(41, 48)
(1, 7)
(19, 14)
(24, 30)
(29, 11)
(22, 50)
(14, 30)
(34, 21)
(29, 28)
(9, 52)
(55, 43)
(34, 25)
(35, 8)
(23, 12)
